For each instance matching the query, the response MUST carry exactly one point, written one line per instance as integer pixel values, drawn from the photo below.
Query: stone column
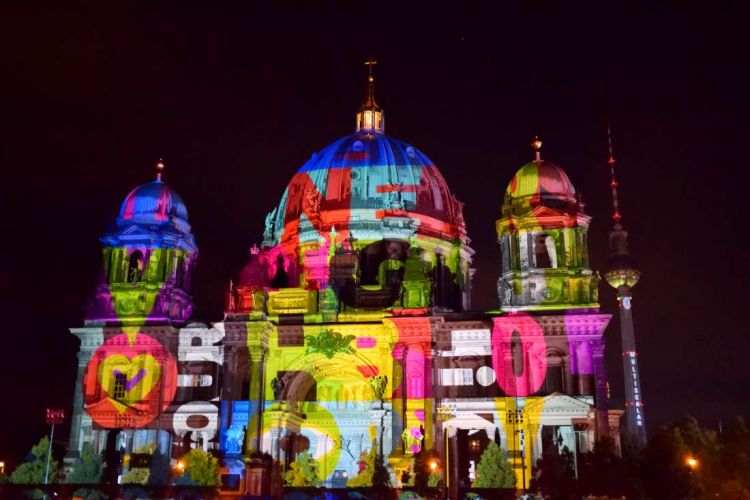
(74, 446)
(256, 397)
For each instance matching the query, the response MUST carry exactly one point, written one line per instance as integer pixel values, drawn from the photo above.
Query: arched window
(545, 253)
(135, 267)
(179, 278)
(553, 380)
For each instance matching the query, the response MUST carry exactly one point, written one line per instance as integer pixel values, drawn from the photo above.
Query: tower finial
(370, 63)
(616, 216)
(159, 169)
(537, 145)
(370, 116)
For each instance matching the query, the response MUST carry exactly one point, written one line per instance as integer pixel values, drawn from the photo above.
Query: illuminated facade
(350, 327)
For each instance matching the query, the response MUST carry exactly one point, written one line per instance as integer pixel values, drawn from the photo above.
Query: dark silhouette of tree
(603, 472)
(87, 469)
(554, 475)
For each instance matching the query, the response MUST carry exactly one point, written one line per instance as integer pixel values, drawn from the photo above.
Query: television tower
(622, 275)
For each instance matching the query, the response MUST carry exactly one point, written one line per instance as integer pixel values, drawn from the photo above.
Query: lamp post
(53, 417)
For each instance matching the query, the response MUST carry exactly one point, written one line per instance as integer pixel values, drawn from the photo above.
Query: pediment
(558, 403)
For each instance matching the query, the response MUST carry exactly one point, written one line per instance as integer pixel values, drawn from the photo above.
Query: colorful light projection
(129, 381)
(543, 234)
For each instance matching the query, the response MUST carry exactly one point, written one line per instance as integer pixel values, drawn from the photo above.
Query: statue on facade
(311, 201)
(458, 212)
(412, 438)
(378, 384)
(278, 384)
(234, 437)
(506, 291)
(394, 200)
(268, 231)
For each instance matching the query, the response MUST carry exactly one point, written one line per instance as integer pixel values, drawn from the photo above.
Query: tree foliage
(603, 472)
(303, 472)
(494, 470)
(422, 469)
(381, 477)
(88, 468)
(201, 468)
(554, 475)
(32, 470)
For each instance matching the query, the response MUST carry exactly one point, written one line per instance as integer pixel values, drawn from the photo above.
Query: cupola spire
(537, 145)
(370, 116)
(159, 169)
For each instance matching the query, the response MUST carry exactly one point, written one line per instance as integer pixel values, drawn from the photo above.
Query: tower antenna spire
(622, 275)
(616, 216)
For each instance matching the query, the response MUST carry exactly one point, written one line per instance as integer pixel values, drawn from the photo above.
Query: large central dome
(363, 183)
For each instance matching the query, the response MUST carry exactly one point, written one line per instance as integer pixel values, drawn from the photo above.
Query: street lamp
(692, 463)
(53, 417)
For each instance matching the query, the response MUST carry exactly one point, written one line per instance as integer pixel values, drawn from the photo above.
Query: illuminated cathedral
(350, 327)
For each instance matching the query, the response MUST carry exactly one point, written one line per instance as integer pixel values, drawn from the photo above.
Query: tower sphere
(622, 271)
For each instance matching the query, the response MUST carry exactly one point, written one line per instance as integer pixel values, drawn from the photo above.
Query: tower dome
(543, 238)
(542, 179)
(154, 203)
(157, 209)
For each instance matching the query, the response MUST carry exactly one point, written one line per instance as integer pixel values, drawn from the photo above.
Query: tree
(88, 469)
(422, 469)
(366, 464)
(381, 478)
(201, 468)
(603, 472)
(32, 471)
(494, 470)
(554, 474)
(303, 472)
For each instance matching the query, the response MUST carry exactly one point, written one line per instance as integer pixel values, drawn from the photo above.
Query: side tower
(622, 275)
(147, 260)
(547, 345)
(127, 381)
(543, 235)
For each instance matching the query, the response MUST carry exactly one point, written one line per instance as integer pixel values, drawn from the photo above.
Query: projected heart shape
(129, 381)
(136, 377)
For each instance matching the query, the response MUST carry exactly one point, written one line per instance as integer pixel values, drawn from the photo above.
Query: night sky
(236, 99)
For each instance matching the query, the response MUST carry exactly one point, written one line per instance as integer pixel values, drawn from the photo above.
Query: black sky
(236, 99)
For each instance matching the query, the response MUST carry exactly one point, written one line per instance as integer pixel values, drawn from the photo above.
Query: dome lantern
(370, 116)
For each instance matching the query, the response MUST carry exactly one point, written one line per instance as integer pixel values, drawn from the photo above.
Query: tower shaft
(635, 420)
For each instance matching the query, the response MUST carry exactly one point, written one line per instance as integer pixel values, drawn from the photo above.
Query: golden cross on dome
(370, 63)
